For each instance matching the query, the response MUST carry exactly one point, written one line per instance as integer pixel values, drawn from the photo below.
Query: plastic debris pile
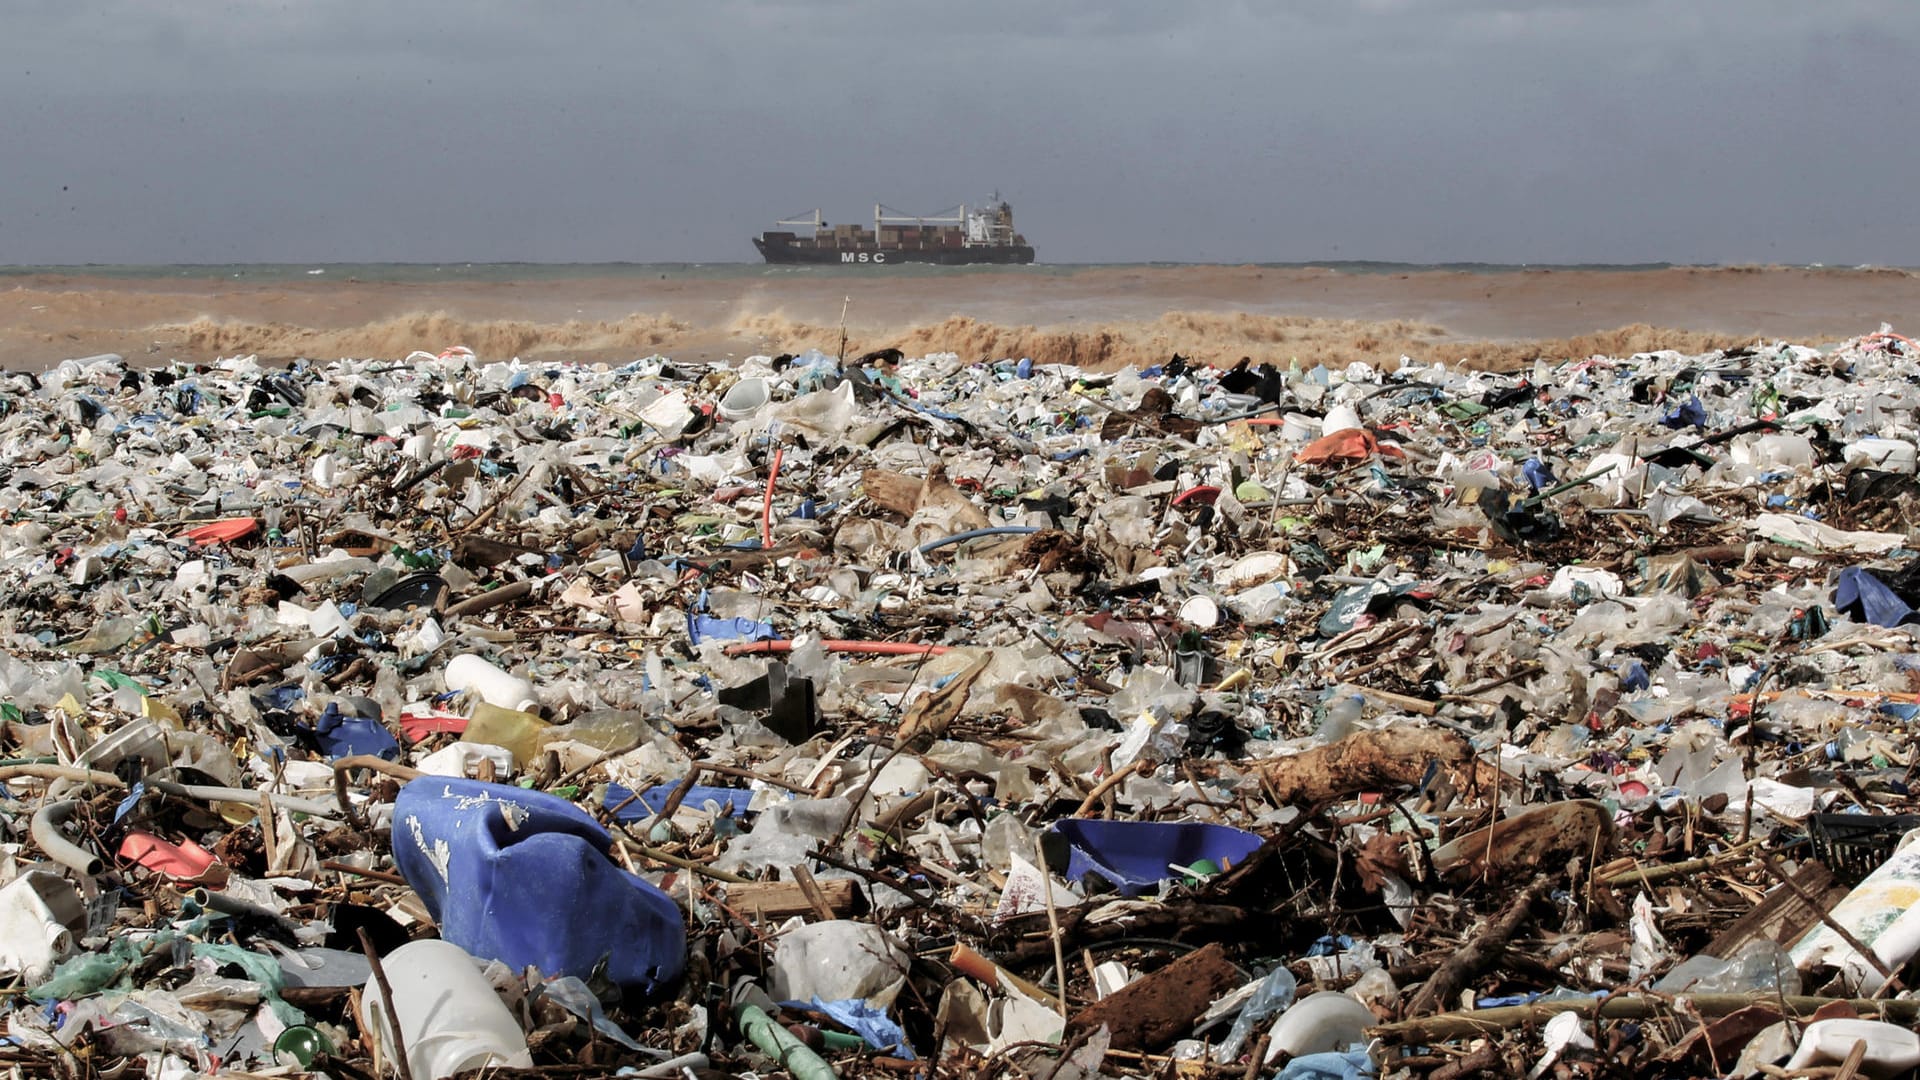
(924, 716)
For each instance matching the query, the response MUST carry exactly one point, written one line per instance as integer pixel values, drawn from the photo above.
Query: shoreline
(1104, 315)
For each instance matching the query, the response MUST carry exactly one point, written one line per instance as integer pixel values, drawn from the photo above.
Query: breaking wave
(396, 337)
(1221, 339)
(43, 322)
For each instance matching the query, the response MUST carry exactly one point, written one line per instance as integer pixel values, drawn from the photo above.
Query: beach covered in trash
(945, 716)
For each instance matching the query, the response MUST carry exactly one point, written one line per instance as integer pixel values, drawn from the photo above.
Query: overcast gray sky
(597, 130)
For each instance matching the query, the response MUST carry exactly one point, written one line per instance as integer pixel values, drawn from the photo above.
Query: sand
(1098, 316)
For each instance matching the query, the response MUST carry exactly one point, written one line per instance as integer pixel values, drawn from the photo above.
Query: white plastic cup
(450, 1018)
(467, 673)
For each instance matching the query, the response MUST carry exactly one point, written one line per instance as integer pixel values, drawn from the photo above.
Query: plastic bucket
(744, 398)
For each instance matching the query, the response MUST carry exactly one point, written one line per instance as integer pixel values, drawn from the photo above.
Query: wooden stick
(386, 1000)
(810, 889)
(1485, 948)
(1401, 701)
(1820, 910)
(1053, 926)
(1444, 1027)
(377, 875)
(1113, 780)
(646, 852)
(1647, 875)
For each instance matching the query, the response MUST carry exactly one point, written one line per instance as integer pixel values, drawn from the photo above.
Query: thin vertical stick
(386, 1000)
(1053, 927)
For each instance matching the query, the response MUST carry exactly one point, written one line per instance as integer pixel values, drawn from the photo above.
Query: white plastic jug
(469, 673)
(41, 916)
(1891, 1049)
(1890, 455)
(450, 1017)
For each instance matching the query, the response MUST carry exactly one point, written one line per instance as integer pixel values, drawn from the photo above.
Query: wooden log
(1395, 757)
(1154, 1010)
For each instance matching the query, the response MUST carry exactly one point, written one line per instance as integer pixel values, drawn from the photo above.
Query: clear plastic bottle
(1275, 993)
(1339, 713)
(520, 732)
(604, 729)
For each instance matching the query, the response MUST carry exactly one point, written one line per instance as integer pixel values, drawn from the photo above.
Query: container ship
(956, 237)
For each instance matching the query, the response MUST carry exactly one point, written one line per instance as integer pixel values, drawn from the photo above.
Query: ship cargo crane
(887, 215)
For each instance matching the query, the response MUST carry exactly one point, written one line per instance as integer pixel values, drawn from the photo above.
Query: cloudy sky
(1285, 130)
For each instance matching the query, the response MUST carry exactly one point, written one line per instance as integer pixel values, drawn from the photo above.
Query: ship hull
(786, 255)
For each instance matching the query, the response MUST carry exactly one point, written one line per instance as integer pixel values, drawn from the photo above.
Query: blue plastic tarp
(1136, 856)
(1692, 414)
(1865, 597)
(523, 877)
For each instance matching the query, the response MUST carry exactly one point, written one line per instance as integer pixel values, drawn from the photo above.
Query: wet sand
(1101, 316)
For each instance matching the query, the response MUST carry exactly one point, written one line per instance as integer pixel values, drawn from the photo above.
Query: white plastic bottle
(1882, 913)
(467, 672)
(450, 1017)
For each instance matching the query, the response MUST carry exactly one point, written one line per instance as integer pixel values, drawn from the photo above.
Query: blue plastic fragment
(1135, 856)
(870, 1023)
(1539, 474)
(1331, 1065)
(341, 736)
(654, 799)
(523, 877)
(708, 628)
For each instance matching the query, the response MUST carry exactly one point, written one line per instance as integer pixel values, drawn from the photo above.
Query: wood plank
(1782, 916)
(785, 899)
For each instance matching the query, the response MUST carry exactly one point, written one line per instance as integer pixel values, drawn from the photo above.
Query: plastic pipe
(473, 605)
(970, 534)
(244, 796)
(670, 1068)
(869, 648)
(46, 832)
(61, 772)
(227, 904)
(780, 1044)
(969, 962)
(766, 504)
